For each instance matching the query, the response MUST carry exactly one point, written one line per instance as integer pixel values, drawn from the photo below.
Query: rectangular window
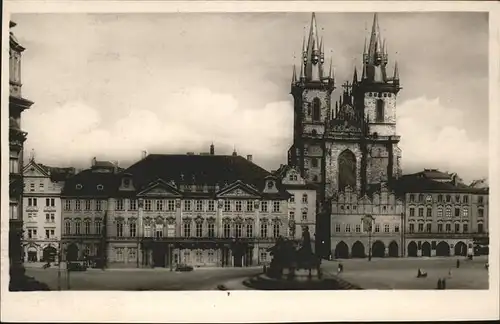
(133, 229)
(159, 232)
(428, 228)
(420, 227)
(465, 228)
(457, 212)
(87, 228)
(448, 212)
(412, 212)
(429, 212)
(412, 198)
(440, 212)
(47, 217)
(249, 206)
(67, 227)
(292, 198)
(304, 198)
(292, 215)
(132, 254)
(420, 212)
(304, 215)
(276, 230)
(199, 256)
(440, 198)
(119, 254)
(171, 205)
(47, 233)
(348, 228)
(448, 198)
(77, 205)
(386, 228)
(187, 229)
(52, 218)
(159, 205)
(119, 204)
(227, 230)
(32, 187)
(263, 255)
(440, 228)
(47, 202)
(448, 228)
(263, 230)
(457, 228)
(211, 258)
(466, 199)
(147, 204)
(133, 204)
(77, 227)
(199, 229)
(98, 226)
(119, 230)
(199, 205)
(480, 228)
(41, 186)
(227, 205)
(396, 228)
(238, 230)
(337, 228)
(147, 231)
(98, 205)
(264, 206)
(211, 230)
(465, 212)
(377, 228)
(211, 205)
(249, 230)
(276, 206)
(238, 205)
(358, 228)
(88, 204)
(187, 205)
(480, 199)
(480, 213)
(412, 228)
(52, 233)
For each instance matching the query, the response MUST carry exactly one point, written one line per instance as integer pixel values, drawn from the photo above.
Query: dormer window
(79, 187)
(126, 183)
(100, 187)
(270, 184)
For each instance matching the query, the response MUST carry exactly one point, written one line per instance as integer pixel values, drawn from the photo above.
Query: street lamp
(367, 221)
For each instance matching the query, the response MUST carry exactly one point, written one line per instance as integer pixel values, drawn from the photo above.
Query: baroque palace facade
(202, 210)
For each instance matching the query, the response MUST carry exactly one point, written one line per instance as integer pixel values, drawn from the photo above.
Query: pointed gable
(33, 169)
(159, 188)
(239, 189)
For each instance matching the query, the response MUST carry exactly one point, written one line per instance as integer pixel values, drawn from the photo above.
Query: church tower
(375, 94)
(311, 92)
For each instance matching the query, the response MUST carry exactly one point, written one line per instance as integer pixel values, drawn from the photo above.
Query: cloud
(183, 122)
(433, 136)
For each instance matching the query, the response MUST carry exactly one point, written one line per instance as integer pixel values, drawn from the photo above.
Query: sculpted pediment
(239, 190)
(159, 189)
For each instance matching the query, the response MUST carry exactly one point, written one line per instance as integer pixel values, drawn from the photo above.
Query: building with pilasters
(17, 137)
(443, 216)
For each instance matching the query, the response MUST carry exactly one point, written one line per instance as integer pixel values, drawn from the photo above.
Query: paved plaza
(141, 279)
(401, 273)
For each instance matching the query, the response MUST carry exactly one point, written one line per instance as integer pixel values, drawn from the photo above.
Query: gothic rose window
(347, 170)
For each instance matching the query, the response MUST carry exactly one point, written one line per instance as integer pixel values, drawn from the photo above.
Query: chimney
(94, 160)
(212, 149)
(144, 154)
(249, 158)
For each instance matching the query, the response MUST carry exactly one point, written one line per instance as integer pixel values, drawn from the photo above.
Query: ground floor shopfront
(360, 246)
(197, 253)
(40, 251)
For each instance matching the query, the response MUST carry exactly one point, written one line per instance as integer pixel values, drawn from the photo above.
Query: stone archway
(358, 250)
(378, 249)
(412, 249)
(426, 249)
(49, 254)
(341, 250)
(393, 249)
(72, 252)
(461, 248)
(32, 254)
(443, 249)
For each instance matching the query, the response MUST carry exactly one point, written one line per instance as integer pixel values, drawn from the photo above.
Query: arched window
(380, 111)
(347, 170)
(314, 162)
(316, 109)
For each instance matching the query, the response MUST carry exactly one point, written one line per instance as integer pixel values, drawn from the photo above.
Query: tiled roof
(58, 173)
(85, 184)
(414, 183)
(432, 174)
(197, 169)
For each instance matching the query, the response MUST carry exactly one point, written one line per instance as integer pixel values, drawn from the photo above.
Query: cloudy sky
(113, 85)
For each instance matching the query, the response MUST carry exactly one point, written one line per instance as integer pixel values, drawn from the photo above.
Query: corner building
(349, 145)
(443, 216)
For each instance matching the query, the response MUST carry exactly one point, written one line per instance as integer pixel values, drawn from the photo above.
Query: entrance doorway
(341, 251)
(358, 250)
(72, 252)
(378, 249)
(426, 249)
(393, 249)
(443, 249)
(32, 255)
(412, 249)
(49, 254)
(461, 249)
(158, 256)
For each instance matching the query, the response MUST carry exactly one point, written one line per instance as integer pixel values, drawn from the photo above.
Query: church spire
(375, 44)
(294, 75)
(396, 72)
(355, 76)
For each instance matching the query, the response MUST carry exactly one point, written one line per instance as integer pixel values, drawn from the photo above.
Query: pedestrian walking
(458, 264)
